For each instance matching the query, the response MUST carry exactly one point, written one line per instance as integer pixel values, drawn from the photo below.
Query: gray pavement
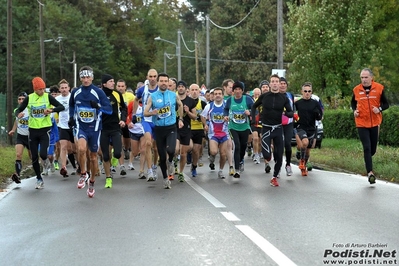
(203, 221)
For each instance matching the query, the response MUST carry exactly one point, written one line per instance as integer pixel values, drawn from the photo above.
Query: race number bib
(23, 122)
(86, 115)
(217, 118)
(38, 111)
(164, 112)
(239, 117)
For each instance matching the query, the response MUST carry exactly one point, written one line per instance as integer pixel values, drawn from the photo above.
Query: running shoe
(298, 155)
(242, 166)
(371, 178)
(39, 183)
(267, 168)
(90, 190)
(73, 171)
(309, 166)
(56, 165)
(257, 159)
(288, 170)
(176, 170)
(64, 172)
(123, 170)
(52, 167)
(82, 181)
(249, 151)
(127, 154)
(142, 175)
(212, 166)
(108, 182)
(114, 161)
(273, 182)
(45, 166)
(220, 174)
(16, 178)
(193, 171)
(154, 172)
(236, 175)
(261, 155)
(302, 164)
(180, 177)
(113, 169)
(200, 163)
(171, 171)
(304, 172)
(130, 166)
(102, 170)
(189, 158)
(231, 171)
(166, 183)
(150, 175)
(87, 178)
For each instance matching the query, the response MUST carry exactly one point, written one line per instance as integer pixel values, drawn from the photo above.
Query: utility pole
(10, 120)
(196, 60)
(60, 49)
(42, 60)
(280, 59)
(208, 61)
(178, 51)
(75, 70)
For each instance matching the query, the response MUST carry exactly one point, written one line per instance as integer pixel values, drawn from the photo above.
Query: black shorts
(197, 136)
(66, 134)
(257, 129)
(302, 134)
(23, 140)
(125, 132)
(184, 136)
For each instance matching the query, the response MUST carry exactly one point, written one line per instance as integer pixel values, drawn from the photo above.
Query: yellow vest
(36, 106)
(195, 124)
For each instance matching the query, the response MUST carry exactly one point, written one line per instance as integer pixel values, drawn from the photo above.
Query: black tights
(38, 136)
(275, 134)
(165, 138)
(369, 139)
(240, 139)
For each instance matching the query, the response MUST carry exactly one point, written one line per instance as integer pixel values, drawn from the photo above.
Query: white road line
(230, 216)
(266, 246)
(205, 194)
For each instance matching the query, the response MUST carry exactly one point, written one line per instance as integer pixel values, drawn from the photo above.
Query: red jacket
(365, 103)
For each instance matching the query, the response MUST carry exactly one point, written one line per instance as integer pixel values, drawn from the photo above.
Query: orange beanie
(38, 83)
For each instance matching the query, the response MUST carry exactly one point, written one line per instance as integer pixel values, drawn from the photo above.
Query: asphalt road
(204, 221)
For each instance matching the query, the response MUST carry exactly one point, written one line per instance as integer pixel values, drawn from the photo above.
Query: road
(204, 221)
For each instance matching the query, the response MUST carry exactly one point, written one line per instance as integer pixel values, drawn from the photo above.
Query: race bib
(23, 122)
(164, 112)
(217, 118)
(86, 115)
(38, 111)
(239, 117)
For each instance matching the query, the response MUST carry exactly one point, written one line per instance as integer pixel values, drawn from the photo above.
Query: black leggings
(240, 139)
(165, 138)
(275, 134)
(38, 136)
(110, 138)
(369, 139)
(288, 131)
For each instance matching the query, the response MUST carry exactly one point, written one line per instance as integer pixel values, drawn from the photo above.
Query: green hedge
(340, 124)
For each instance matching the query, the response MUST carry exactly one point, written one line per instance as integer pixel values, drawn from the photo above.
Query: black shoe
(16, 178)
(371, 178)
(212, 166)
(267, 168)
(236, 175)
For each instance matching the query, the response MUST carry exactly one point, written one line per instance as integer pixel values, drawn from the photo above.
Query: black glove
(134, 119)
(94, 104)
(71, 122)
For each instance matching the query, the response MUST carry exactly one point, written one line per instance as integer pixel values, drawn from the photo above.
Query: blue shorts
(135, 136)
(148, 127)
(219, 140)
(92, 138)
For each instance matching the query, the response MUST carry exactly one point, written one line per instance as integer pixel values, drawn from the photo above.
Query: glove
(71, 122)
(134, 119)
(94, 104)
(296, 117)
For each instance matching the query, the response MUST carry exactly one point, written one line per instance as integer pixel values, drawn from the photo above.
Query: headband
(86, 73)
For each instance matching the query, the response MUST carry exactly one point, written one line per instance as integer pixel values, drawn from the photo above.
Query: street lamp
(178, 52)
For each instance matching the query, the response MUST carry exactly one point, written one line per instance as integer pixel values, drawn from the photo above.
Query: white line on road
(205, 194)
(230, 216)
(266, 246)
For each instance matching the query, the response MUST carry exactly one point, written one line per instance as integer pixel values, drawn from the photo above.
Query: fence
(3, 119)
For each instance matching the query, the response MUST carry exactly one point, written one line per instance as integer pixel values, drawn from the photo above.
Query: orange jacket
(365, 103)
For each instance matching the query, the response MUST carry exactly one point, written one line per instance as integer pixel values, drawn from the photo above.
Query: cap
(283, 79)
(182, 82)
(23, 94)
(263, 82)
(38, 83)
(105, 78)
(239, 84)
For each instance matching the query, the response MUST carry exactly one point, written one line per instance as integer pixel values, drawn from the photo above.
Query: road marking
(230, 216)
(205, 194)
(266, 246)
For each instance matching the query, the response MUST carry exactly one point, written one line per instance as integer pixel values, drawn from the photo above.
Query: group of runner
(165, 121)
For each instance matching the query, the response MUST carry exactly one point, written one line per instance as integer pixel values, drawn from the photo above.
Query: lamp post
(178, 53)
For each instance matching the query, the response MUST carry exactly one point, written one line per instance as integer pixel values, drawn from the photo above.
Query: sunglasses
(21, 99)
(305, 91)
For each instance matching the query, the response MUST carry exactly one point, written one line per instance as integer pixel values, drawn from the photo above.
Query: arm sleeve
(384, 102)
(106, 107)
(58, 107)
(22, 106)
(227, 107)
(288, 109)
(353, 103)
(255, 105)
(123, 108)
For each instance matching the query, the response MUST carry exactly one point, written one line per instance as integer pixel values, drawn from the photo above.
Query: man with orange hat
(39, 105)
